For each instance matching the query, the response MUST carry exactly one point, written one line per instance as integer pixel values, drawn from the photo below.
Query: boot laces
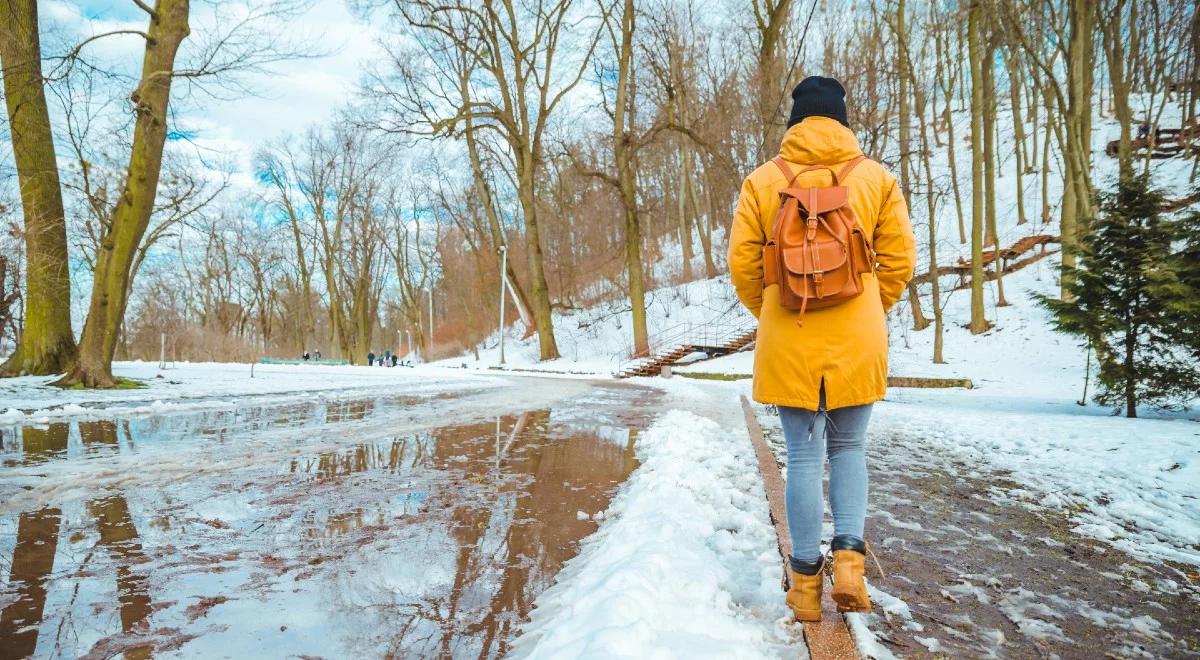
(878, 566)
(828, 563)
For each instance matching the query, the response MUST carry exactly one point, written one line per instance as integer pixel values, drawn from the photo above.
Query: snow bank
(684, 565)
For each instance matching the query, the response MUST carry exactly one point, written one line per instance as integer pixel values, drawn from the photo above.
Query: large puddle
(315, 529)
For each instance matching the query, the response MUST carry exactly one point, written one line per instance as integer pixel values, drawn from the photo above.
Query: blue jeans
(807, 433)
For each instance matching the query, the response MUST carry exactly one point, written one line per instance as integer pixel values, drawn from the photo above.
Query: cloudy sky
(289, 97)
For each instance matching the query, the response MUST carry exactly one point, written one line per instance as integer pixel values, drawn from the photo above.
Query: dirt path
(973, 573)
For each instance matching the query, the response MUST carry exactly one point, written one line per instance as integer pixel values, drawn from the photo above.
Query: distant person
(371, 359)
(387, 357)
(318, 355)
(306, 356)
(395, 359)
(820, 278)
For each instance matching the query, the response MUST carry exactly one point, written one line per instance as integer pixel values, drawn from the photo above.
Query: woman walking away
(821, 247)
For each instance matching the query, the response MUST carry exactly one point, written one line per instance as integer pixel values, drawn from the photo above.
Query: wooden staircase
(713, 341)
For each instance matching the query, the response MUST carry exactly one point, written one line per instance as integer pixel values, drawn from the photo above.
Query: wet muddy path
(390, 526)
(976, 569)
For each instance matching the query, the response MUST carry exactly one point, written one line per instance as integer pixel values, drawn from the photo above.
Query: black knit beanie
(817, 96)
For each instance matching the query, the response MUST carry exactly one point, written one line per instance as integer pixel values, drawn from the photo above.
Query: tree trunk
(547, 347)
(1046, 130)
(489, 208)
(1078, 124)
(979, 323)
(920, 322)
(902, 99)
(989, 163)
(774, 15)
(1130, 376)
(307, 321)
(988, 115)
(676, 114)
(905, 139)
(47, 345)
(935, 285)
(1031, 154)
(1019, 153)
(685, 221)
(623, 154)
(168, 28)
(946, 82)
(704, 229)
(1114, 38)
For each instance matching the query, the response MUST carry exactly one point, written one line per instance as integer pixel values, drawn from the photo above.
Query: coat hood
(819, 141)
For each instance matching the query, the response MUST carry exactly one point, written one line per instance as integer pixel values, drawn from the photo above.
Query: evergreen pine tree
(1133, 297)
(1185, 293)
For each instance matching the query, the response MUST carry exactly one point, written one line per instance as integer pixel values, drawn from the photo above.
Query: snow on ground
(685, 563)
(685, 557)
(206, 385)
(1130, 482)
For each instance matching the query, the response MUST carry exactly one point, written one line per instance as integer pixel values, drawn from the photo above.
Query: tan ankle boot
(849, 589)
(805, 595)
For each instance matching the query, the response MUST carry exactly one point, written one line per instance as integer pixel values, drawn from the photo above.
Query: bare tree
(47, 344)
(515, 91)
(979, 322)
(121, 237)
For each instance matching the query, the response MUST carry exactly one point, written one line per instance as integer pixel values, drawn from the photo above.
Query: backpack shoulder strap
(838, 177)
(784, 168)
(850, 166)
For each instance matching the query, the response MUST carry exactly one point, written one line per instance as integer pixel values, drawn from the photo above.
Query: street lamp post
(429, 344)
(503, 273)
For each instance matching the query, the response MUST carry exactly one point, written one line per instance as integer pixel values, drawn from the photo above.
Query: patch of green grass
(121, 384)
(705, 375)
(130, 384)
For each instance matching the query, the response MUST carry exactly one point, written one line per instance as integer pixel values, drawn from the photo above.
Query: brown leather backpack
(817, 251)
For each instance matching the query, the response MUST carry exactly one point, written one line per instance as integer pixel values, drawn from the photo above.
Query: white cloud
(299, 93)
(291, 96)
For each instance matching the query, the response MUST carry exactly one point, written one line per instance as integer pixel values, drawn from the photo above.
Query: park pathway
(973, 572)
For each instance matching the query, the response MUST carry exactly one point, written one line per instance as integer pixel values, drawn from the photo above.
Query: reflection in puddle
(32, 562)
(433, 543)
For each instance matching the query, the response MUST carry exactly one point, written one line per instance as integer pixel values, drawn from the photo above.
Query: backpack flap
(815, 201)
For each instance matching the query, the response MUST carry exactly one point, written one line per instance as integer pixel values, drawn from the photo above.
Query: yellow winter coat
(844, 345)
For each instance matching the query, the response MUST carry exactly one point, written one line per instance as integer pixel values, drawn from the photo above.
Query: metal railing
(694, 334)
(321, 361)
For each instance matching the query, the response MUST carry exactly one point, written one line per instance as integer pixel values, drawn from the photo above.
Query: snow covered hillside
(1020, 435)
(599, 339)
